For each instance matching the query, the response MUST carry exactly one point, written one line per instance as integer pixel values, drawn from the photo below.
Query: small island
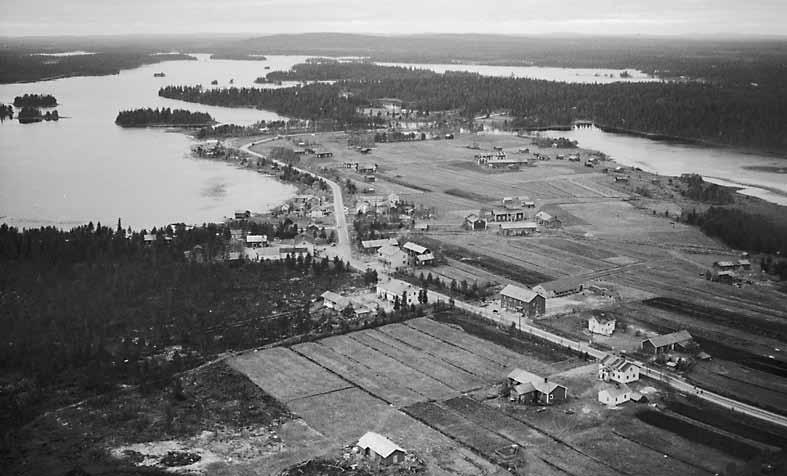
(6, 112)
(29, 115)
(35, 100)
(147, 117)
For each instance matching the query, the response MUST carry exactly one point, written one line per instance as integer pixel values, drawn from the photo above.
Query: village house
(560, 288)
(614, 394)
(526, 301)
(365, 169)
(518, 228)
(334, 301)
(149, 238)
(256, 241)
(380, 449)
(392, 258)
(526, 387)
(601, 325)
(419, 255)
(323, 154)
(680, 340)
(236, 234)
(617, 369)
(374, 245)
(744, 264)
(395, 288)
(242, 214)
(474, 223)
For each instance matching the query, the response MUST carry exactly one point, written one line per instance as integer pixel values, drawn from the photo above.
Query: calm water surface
(718, 165)
(85, 168)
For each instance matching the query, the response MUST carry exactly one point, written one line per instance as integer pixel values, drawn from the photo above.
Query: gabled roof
(472, 218)
(379, 444)
(546, 387)
(333, 297)
(415, 247)
(615, 391)
(562, 285)
(520, 294)
(523, 376)
(425, 257)
(521, 225)
(616, 362)
(669, 339)
(256, 238)
(602, 319)
(524, 388)
(379, 243)
(388, 250)
(395, 286)
(744, 262)
(543, 216)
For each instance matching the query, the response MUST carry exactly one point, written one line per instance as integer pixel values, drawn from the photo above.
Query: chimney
(545, 380)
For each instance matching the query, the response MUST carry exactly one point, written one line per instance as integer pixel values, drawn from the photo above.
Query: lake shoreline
(655, 136)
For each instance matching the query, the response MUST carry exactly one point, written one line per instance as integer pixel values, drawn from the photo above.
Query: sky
(260, 17)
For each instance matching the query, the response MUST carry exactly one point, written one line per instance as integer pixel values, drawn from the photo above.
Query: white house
(256, 241)
(601, 325)
(614, 394)
(392, 257)
(396, 288)
(617, 369)
(334, 301)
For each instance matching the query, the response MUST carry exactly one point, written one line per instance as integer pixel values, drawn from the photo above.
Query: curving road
(343, 247)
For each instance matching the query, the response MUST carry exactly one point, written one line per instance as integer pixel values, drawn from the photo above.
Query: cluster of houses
(395, 258)
(310, 206)
(378, 203)
(726, 271)
(516, 216)
(498, 159)
(309, 149)
(257, 247)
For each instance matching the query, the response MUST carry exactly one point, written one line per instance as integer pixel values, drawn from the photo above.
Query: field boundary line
(637, 441)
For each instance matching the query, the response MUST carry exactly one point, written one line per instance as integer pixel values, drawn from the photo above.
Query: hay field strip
(405, 376)
(580, 262)
(287, 375)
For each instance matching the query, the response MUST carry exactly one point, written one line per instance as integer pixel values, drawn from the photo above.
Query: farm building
(617, 369)
(475, 223)
(149, 238)
(364, 169)
(419, 255)
(392, 257)
(394, 199)
(547, 220)
(528, 302)
(421, 227)
(744, 264)
(680, 340)
(503, 215)
(323, 154)
(372, 245)
(242, 214)
(726, 277)
(560, 288)
(380, 449)
(614, 394)
(724, 265)
(601, 325)
(518, 228)
(527, 387)
(256, 241)
(334, 301)
(396, 288)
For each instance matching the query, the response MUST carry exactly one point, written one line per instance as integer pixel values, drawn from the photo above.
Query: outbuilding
(560, 288)
(256, 241)
(334, 301)
(526, 301)
(395, 288)
(523, 228)
(680, 340)
(614, 394)
(380, 449)
(475, 223)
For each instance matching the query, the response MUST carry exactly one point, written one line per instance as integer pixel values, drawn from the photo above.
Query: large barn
(526, 301)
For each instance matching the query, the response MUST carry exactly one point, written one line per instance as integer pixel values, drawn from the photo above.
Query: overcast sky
(659, 17)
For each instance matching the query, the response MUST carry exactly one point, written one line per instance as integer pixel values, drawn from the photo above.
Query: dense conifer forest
(35, 100)
(6, 112)
(163, 116)
(727, 115)
(85, 310)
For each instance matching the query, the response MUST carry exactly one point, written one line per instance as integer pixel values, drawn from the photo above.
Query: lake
(756, 175)
(85, 168)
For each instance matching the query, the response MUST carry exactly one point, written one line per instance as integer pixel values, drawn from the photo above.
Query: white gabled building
(601, 325)
(393, 288)
(614, 394)
(617, 369)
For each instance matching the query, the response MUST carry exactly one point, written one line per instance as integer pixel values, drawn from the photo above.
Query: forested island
(35, 100)
(163, 117)
(713, 113)
(6, 112)
(29, 115)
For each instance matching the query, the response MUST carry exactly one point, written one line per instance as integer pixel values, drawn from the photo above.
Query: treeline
(699, 111)
(164, 116)
(35, 100)
(313, 102)
(30, 114)
(741, 230)
(6, 112)
(18, 66)
(701, 191)
(326, 70)
(234, 130)
(87, 309)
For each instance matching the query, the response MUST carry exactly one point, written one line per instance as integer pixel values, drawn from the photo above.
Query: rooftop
(520, 294)
(379, 243)
(415, 247)
(669, 339)
(522, 225)
(395, 286)
(379, 444)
